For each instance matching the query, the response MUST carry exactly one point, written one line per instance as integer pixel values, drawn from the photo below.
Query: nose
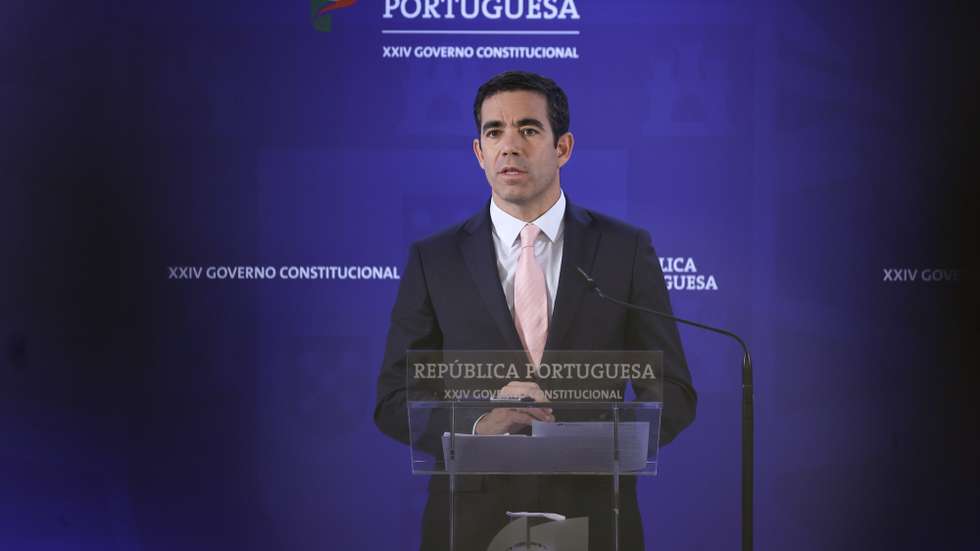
(510, 144)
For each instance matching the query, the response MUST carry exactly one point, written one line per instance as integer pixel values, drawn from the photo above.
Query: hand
(513, 419)
(520, 389)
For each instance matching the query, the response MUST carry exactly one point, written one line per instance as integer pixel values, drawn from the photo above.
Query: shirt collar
(508, 228)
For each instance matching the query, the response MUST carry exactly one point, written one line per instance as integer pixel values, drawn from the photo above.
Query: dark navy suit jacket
(451, 298)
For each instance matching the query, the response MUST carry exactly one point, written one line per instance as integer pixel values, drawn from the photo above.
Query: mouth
(511, 171)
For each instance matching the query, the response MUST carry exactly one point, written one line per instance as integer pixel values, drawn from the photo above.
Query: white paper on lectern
(634, 437)
(553, 447)
(549, 516)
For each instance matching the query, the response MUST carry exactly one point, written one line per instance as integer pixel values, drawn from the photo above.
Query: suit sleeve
(649, 332)
(413, 326)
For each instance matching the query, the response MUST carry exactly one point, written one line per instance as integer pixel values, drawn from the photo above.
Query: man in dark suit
(507, 279)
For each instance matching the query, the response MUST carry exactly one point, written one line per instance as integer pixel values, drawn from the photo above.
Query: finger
(515, 394)
(501, 420)
(537, 395)
(513, 386)
(512, 390)
(535, 392)
(540, 414)
(519, 389)
(522, 419)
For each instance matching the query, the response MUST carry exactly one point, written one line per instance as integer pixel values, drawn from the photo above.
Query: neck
(529, 212)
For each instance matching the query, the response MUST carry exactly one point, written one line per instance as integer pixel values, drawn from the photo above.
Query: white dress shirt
(547, 248)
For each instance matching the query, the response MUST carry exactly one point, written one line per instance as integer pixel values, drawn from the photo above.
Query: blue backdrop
(800, 161)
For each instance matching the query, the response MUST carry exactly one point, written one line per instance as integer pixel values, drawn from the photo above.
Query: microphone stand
(748, 417)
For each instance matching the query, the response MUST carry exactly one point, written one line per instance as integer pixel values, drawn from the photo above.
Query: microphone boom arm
(748, 416)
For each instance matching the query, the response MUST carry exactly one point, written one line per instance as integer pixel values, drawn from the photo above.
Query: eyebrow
(523, 122)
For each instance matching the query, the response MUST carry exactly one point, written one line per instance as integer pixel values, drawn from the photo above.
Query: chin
(514, 198)
(510, 191)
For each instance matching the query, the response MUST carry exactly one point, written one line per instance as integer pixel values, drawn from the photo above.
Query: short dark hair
(558, 115)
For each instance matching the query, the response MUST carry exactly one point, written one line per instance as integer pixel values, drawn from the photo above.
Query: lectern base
(562, 535)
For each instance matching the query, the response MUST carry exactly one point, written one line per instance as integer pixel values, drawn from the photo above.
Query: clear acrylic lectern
(552, 478)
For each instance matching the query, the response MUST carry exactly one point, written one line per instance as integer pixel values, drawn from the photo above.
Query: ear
(478, 151)
(564, 147)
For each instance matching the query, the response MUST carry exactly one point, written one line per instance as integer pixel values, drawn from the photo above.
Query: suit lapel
(581, 242)
(481, 260)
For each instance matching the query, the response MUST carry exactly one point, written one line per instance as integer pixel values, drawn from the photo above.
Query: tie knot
(528, 234)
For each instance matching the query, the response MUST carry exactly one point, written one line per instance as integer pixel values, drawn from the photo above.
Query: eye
(492, 133)
(529, 131)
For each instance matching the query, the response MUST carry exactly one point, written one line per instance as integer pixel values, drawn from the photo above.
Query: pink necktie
(530, 298)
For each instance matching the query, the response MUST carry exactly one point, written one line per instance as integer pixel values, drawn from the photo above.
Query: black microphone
(748, 448)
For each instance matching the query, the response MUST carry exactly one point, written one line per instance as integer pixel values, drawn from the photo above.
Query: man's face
(517, 149)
